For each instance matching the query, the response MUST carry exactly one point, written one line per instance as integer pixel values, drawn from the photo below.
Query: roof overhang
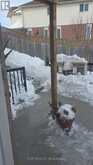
(16, 25)
(41, 3)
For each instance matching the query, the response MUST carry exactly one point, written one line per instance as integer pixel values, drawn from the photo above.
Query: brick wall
(68, 32)
(73, 32)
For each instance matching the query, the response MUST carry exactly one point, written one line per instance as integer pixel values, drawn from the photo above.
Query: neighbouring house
(74, 19)
(71, 64)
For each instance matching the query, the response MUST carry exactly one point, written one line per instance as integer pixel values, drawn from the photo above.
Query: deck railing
(17, 81)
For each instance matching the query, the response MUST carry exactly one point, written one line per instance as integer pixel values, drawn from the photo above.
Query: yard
(38, 138)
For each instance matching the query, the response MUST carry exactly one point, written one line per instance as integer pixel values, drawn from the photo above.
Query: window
(88, 31)
(48, 11)
(58, 33)
(29, 31)
(46, 32)
(84, 7)
(81, 7)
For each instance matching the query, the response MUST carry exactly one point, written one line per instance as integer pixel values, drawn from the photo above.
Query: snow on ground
(77, 86)
(35, 67)
(36, 71)
(66, 111)
(76, 149)
(24, 99)
(70, 59)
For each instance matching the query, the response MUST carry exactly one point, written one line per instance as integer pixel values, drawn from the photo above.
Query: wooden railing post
(54, 99)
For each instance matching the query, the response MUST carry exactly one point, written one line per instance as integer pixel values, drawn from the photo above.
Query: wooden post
(54, 100)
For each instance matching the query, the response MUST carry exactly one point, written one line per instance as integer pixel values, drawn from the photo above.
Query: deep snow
(78, 86)
(35, 67)
(70, 59)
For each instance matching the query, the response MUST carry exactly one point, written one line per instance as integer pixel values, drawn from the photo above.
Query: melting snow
(77, 86)
(75, 148)
(68, 59)
(67, 108)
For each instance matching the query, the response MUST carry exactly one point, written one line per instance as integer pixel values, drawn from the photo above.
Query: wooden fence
(36, 46)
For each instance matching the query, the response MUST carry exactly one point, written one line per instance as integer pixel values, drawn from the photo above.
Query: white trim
(88, 34)
(59, 28)
(46, 29)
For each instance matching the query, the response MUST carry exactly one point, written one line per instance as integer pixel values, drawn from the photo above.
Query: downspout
(23, 18)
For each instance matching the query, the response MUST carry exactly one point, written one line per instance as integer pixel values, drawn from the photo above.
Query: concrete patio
(32, 133)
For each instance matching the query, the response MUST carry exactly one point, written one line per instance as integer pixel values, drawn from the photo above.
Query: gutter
(43, 5)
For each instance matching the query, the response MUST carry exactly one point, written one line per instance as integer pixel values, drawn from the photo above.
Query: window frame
(81, 7)
(88, 31)
(86, 6)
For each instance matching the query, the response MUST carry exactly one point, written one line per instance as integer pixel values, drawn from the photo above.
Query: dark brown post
(53, 55)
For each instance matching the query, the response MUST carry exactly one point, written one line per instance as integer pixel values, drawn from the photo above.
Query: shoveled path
(31, 136)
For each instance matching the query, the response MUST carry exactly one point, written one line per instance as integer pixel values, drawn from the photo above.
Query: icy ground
(24, 99)
(75, 149)
(36, 72)
(77, 86)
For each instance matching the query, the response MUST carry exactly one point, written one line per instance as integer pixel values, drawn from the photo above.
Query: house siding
(69, 19)
(36, 17)
(66, 15)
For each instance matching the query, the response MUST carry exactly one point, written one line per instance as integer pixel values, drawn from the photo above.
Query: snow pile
(23, 99)
(63, 58)
(77, 86)
(35, 67)
(66, 111)
(36, 71)
(23, 96)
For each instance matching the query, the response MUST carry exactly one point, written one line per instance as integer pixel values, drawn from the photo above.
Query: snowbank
(23, 99)
(70, 59)
(77, 86)
(35, 67)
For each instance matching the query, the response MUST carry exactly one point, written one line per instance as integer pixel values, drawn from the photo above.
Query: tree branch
(5, 44)
(6, 55)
